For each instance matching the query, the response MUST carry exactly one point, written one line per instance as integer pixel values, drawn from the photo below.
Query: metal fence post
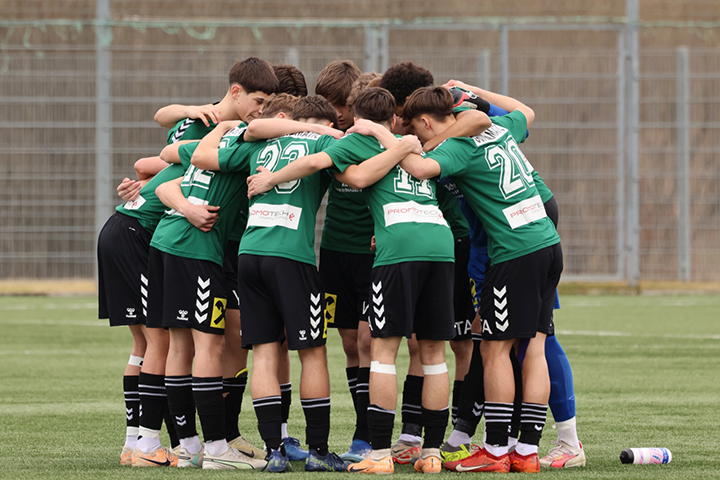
(683, 163)
(621, 131)
(483, 69)
(371, 49)
(633, 210)
(103, 117)
(504, 52)
(384, 49)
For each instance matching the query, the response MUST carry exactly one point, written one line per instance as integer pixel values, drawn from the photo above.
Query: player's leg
(408, 446)
(293, 449)
(132, 395)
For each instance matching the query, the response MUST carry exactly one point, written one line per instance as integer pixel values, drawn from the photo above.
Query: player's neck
(227, 108)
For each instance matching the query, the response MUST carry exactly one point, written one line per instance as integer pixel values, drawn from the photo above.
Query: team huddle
(438, 229)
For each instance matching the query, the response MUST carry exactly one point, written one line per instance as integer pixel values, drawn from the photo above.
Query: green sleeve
(450, 157)
(237, 157)
(515, 122)
(343, 153)
(186, 152)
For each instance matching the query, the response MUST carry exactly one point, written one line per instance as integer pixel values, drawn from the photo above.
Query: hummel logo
(181, 421)
(182, 315)
(302, 337)
(130, 313)
(538, 428)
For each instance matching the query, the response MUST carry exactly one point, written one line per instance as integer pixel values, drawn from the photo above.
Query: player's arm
(264, 128)
(507, 103)
(148, 167)
(468, 124)
(200, 216)
(171, 153)
(363, 126)
(206, 153)
(300, 168)
(373, 169)
(168, 116)
(420, 167)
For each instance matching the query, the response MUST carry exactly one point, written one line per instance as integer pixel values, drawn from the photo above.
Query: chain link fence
(77, 101)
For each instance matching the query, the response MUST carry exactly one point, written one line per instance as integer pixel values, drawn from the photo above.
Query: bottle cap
(626, 456)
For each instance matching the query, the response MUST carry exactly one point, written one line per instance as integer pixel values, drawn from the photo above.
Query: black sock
(132, 401)
(181, 405)
(235, 388)
(267, 410)
(412, 406)
(517, 402)
(457, 388)
(152, 400)
(210, 405)
(497, 422)
(380, 424)
(286, 399)
(434, 423)
(363, 400)
(317, 423)
(533, 421)
(352, 379)
(170, 426)
(472, 395)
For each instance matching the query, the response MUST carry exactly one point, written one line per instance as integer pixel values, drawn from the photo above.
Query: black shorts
(413, 297)
(345, 279)
(186, 293)
(231, 275)
(462, 293)
(518, 295)
(122, 253)
(278, 295)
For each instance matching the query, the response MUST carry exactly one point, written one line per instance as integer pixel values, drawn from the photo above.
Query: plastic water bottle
(646, 455)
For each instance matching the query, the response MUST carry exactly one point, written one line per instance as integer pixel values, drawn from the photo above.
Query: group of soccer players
(437, 229)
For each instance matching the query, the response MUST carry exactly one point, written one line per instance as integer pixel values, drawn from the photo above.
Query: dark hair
(360, 84)
(291, 80)
(375, 104)
(315, 106)
(254, 75)
(434, 101)
(335, 81)
(282, 102)
(403, 79)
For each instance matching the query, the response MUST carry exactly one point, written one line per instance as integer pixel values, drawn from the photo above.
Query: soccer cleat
(126, 455)
(231, 460)
(429, 463)
(359, 449)
(161, 457)
(368, 465)
(277, 463)
(242, 445)
(187, 459)
(524, 463)
(293, 450)
(484, 461)
(330, 462)
(405, 452)
(452, 456)
(564, 456)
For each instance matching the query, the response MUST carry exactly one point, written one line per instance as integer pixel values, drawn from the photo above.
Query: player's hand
(333, 132)
(201, 216)
(412, 143)
(260, 182)
(373, 246)
(457, 83)
(207, 113)
(129, 189)
(364, 126)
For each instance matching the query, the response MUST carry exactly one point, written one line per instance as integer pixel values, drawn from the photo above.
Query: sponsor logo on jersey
(218, 313)
(525, 212)
(412, 212)
(490, 135)
(135, 204)
(330, 306)
(463, 327)
(267, 215)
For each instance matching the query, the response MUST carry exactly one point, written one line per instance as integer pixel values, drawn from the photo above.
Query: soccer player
(291, 80)
(250, 82)
(526, 262)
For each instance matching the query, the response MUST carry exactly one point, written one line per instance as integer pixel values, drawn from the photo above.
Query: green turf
(647, 373)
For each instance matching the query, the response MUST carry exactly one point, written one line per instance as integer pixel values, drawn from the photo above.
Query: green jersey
(452, 213)
(497, 182)
(409, 225)
(347, 207)
(281, 222)
(177, 236)
(147, 208)
(230, 140)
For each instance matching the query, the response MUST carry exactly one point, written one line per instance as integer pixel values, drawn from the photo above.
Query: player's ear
(235, 90)
(426, 122)
(281, 115)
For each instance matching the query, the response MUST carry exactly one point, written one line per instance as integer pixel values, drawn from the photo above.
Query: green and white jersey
(230, 140)
(177, 236)
(409, 225)
(348, 223)
(281, 222)
(450, 208)
(497, 182)
(147, 208)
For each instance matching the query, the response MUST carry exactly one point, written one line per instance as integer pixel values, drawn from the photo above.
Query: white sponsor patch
(407, 212)
(525, 212)
(266, 215)
(135, 204)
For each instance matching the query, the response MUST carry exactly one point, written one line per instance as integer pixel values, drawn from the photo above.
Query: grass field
(647, 374)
